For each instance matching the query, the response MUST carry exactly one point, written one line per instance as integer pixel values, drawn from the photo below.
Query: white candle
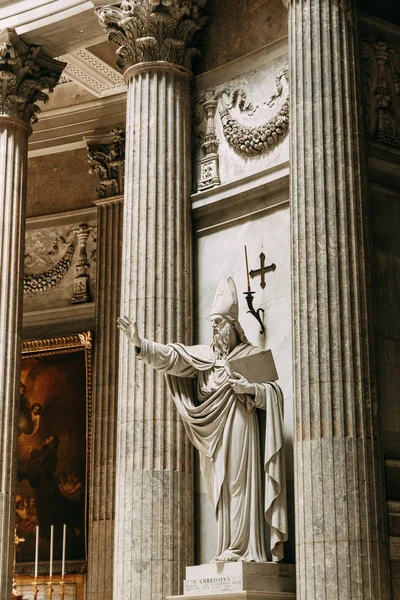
(51, 550)
(63, 550)
(247, 269)
(36, 551)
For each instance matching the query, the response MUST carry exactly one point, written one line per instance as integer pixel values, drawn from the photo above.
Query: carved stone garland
(39, 283)
(253, 141)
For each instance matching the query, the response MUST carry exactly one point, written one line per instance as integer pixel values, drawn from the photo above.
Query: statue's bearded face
(224, 336)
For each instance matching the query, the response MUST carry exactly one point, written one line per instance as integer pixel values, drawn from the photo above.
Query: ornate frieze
(153, 30)
(24, 73)
(38, 283)
(66, 250)
(225, 115)
(107, 155)
(381, 75)
(256, 140)
(92, 73)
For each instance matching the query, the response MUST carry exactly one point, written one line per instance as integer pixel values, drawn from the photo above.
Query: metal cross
(262, 270)
(17, 541)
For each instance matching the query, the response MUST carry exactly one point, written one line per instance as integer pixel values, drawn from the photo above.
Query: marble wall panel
(385, 224)
(237, 28)
(257, 94)
(59, 182)
(53, 258)
(385, 218)
(221, 254)
(387, 293)
(389, 385)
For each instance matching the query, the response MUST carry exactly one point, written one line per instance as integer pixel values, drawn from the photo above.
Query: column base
(261, 581)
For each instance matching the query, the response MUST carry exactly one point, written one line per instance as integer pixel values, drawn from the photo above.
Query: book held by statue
(258, 367)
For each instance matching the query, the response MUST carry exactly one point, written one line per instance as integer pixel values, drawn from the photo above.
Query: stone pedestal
(341, 538)
(263, 581)
(154, 479)
(24, 71)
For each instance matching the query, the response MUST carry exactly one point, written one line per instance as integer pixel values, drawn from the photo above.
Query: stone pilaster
(24, 71)
(154, 493)
(104, 421)
(340, 517)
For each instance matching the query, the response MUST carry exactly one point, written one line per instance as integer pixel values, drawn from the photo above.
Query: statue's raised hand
(130, 329)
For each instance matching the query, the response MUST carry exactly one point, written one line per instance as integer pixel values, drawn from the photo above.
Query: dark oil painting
(52, 452)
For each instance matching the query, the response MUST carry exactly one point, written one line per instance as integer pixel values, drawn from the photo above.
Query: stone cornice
(24, 72)
(153, 30)
(63, 128)
(58, 26)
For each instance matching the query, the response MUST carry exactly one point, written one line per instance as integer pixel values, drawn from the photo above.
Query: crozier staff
(221, 421)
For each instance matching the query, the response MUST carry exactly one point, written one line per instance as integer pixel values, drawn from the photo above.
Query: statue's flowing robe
(226, 434)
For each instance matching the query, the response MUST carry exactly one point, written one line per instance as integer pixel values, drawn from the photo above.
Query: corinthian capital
(24, 73)
(153, 30)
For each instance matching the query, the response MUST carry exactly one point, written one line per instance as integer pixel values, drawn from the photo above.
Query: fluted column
(24, 71)
(106, 154)
(104, 420)
(154, 490)
(340, 518)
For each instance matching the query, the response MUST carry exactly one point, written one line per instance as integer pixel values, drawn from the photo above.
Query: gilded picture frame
(54, 442)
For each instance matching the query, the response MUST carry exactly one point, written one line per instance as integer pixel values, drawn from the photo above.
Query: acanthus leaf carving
(24, 73)
(153, 30)
(107, 155)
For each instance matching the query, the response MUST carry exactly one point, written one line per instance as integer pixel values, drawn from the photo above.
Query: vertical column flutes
(24, 71)
(341, 535)
(13, 163)
(104, 410)
(154, 481)
(154, 501)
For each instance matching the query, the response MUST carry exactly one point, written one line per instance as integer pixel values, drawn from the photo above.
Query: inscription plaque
(213, 584)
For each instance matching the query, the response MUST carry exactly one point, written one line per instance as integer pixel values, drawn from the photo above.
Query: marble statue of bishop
(218, 409)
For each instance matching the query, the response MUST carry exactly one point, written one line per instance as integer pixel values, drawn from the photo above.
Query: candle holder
(35, 588)
(50, 588)
(256, 313)
(62, 588)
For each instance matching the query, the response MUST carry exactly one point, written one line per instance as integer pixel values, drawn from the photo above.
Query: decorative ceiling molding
(66, 127)
(93, 74)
